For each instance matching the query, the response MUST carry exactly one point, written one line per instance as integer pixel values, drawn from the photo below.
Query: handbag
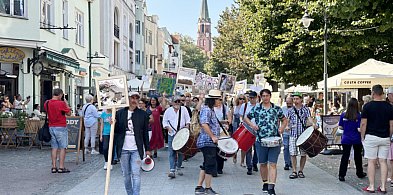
(43, 133)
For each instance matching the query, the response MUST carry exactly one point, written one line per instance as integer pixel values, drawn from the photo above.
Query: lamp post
(306, 20)
(89, 57)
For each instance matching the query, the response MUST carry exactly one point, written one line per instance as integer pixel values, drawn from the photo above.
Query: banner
(329, 128)
(240, 87)
(166, 85)
(186, 76)
(227, 83)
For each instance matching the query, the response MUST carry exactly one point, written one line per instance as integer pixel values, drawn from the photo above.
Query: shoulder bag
(43, 133)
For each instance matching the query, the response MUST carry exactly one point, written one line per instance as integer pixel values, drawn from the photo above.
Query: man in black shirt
(376, 129)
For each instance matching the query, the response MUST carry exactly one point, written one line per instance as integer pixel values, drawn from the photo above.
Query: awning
(61, 59)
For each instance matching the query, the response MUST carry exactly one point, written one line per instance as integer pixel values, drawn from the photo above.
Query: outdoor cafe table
(7, 131)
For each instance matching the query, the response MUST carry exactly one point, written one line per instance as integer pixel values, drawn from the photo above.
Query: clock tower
(204, 40)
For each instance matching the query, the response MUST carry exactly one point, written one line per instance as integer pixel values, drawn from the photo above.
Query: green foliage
(193, 57)
(21, 118)
(268, 35)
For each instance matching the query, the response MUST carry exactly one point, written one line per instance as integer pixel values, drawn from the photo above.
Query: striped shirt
(295, 123)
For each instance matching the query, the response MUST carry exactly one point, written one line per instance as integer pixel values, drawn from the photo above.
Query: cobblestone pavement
(28, 172)
(234, 181)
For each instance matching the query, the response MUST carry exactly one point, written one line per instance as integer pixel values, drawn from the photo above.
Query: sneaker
(249, 171)
(94, 152)
(87, 151)
(210, 191)
(171, 174)
(105, 165)
(219, 172)
(265, 188)
(255, 167)
(271, 192)
(179, 172)
(199, 190)
(286, 167)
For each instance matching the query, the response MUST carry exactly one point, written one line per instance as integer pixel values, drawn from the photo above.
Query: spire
(204, 11)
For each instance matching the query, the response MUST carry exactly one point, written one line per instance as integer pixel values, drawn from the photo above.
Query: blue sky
(181, 16)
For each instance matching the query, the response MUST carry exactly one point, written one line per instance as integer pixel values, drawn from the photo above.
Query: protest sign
(186, 76)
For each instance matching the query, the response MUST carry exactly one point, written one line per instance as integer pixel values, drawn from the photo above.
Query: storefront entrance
(46, 89)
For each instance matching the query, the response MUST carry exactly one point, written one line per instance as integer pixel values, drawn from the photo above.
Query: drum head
(228, 145)
(180, 139)
(304, 136)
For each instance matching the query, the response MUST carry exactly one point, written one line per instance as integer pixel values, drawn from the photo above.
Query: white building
(118, 35)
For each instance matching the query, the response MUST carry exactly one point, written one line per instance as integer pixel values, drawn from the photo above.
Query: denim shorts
(59, 137)
(267, 154)
(209, 160)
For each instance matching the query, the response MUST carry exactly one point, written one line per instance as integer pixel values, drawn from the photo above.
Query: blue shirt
(267, 120)
(207, 116)
(351, 134)
(107, 126)
(90, 115)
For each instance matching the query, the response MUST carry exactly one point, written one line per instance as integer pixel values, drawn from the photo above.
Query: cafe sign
(366, 82)
(11, 55)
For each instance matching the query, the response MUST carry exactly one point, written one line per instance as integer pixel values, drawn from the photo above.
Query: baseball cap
(297, 94)
(252, 94)
(133, 93)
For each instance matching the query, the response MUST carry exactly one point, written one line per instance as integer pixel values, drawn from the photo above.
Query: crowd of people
(143, 128)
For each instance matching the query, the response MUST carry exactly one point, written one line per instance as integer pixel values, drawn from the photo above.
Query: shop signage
(356, 82)
(11, 54)
(61, 60)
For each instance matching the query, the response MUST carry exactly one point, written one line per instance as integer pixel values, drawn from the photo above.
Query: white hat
(390, 90)
(214, 93)
(132, 93)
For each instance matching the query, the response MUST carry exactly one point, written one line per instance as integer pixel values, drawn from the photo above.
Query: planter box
(8, 122)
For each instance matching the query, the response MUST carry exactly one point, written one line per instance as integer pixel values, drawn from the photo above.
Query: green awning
(82, 70)
(96, 74)
(61, 59)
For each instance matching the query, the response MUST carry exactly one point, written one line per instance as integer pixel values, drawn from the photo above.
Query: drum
(271, 142)
(227, 147)
(185, 143)
(245, 137)
(311, 141)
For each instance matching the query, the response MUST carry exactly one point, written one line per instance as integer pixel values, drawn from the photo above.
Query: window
(138, 56)
(203, 28)
(116, 28)
(116, 53)
(131, 61)
(47, 15)
(131, 36)
(150, 37)
(143, 29)
(65, 18)
(13, 7)
(138, 26)
(79, 23)
(143, 57)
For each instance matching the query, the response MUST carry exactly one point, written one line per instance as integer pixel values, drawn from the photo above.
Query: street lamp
(89, 57)
(306, 20)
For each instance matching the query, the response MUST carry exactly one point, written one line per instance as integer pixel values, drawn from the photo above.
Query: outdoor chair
(29, 134)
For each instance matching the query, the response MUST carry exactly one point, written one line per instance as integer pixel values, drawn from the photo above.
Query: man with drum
(298, 116)
(175, 118)
(267, 117)
(244, 110)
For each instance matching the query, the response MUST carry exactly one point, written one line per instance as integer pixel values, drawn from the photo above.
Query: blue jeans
(287, 156)
(59, 137)
(131, 168)
(172, 156)
(254, 158)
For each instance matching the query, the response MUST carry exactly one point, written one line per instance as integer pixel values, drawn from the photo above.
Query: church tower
(204, 40)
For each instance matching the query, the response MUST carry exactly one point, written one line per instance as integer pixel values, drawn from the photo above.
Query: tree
(358, 30)
(229, 55)
(193, 56)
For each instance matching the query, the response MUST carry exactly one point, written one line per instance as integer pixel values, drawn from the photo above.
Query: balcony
(116, 31)
(131, 44)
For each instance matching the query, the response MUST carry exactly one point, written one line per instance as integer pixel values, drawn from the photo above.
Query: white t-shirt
(220, 114)
(129, 141)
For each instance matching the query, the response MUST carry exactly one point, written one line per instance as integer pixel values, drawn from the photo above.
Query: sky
(181, 16)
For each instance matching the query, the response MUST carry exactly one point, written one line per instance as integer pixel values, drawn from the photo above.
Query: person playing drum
(267, 118)
(207, 142)
(172, 123)
(298, 116)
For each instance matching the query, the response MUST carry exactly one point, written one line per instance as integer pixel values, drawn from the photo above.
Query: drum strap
(225, 131)
(297, 114)
(179, 119)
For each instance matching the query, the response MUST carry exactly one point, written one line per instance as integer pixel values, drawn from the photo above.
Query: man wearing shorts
(57, 109)
(376, 129)
(298, 117)
(267, 118)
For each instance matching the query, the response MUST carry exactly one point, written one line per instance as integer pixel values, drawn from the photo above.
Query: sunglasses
(220, 99)
(241, 99)
(177, 101)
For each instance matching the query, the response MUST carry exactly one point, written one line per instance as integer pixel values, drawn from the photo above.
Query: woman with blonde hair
(239, 101)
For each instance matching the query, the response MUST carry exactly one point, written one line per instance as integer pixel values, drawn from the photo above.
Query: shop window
(13, 7)
(79, 28)
(47, 14)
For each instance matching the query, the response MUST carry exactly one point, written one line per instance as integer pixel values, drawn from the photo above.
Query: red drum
(311, 141)
(244, 136)
(185, 143)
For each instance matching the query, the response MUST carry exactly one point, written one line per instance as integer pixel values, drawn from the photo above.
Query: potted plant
(21, 118)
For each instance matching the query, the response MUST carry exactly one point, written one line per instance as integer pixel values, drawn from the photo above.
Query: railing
(116, 31)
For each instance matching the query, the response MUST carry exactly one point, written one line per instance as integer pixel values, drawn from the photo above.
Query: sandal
(63, 170)
(301, 175)
(54, 170)
(365, 189)
(379, 190)
(293, 175)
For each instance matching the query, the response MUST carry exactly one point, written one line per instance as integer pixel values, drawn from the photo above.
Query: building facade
(204, 39)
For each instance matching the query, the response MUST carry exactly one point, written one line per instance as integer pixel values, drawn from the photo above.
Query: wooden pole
(110, 152)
